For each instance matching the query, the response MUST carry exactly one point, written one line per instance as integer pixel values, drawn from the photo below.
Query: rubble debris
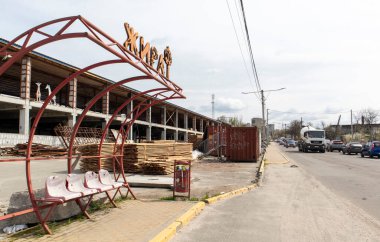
(15, 228)
(39, 150)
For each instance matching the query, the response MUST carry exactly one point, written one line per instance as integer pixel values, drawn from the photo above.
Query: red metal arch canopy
(103, 40)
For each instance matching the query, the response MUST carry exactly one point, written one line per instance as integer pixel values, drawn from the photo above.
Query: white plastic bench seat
(56, 190)
(75, 184)
(106, 179)
(91, 180)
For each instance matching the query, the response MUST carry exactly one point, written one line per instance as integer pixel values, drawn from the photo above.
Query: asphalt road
(313, 197)
(349, 176)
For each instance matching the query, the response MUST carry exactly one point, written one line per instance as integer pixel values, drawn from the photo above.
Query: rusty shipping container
(235, 143)
(243, 144)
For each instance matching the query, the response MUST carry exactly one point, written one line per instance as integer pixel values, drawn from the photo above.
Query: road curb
(231, 194)
(260, 172)
(170, 231)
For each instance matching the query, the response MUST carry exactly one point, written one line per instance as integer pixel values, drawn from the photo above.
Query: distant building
(258, 122)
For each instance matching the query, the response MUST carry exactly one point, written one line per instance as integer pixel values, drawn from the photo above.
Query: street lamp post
(263, 103)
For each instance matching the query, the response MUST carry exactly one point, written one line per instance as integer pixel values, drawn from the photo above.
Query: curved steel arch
(135, 117)
(124, 56)
(114, 156)
(159, 90)
(89, 106)
(121, 131)
(94, 35)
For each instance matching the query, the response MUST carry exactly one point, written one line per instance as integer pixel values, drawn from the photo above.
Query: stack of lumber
(195, 139)
(39, 150)
(149, 158)
(157, 157)
(89, 163)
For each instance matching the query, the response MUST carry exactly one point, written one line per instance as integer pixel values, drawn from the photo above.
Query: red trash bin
(182, 175)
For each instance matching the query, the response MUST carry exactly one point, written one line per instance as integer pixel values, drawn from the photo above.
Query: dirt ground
(209, 177)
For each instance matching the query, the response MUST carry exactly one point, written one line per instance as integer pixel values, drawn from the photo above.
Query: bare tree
(323, 124)
(234, 121)
(294, 129)
(370, 118)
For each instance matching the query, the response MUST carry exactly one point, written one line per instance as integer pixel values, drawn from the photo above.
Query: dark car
(290, 143)
(334, 145)
(352, 147)
(371, 149)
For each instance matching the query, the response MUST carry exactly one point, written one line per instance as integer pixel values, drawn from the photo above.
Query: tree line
(363, 121)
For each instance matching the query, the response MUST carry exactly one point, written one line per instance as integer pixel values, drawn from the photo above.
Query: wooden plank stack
(91, 163)
(157, 157)
(149, 158)
(195, 139)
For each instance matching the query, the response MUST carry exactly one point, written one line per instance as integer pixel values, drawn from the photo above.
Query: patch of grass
(171, 198)
(205, 197)
(38, 232)
(96, 206)
(194, 199)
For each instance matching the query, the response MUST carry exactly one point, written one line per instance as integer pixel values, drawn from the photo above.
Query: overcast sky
(325, 53)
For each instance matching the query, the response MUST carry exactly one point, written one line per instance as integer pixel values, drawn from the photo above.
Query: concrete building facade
(26, 84)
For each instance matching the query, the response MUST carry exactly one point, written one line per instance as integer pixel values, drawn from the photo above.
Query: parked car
(352, 147)
(290, 143)
(334, 145)
(371, 149)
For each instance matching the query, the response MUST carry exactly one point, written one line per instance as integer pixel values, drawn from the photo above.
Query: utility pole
(213, 105)
(263, 104)
(352, 128)
(285, 130)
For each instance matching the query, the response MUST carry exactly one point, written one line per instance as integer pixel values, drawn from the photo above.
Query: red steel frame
(122, 54)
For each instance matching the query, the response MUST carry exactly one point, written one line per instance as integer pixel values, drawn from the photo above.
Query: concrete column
(24, 120)
(195, 123)
(186, 119)
(25, 81)
(149, 127)
(163, 133)
(72, 119)
(73, 93)
(104, 123)
(201, 125)
(106, 103)
(129, 109)
(26, 76)
(176, 125)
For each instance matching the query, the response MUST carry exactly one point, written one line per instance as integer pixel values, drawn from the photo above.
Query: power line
(258, 86)
(241, 24)
(241, 51)
(309, 113)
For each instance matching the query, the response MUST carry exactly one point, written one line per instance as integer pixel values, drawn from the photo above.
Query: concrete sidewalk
(134, 220)
(290, 206)
(143, 220)
(274, 155)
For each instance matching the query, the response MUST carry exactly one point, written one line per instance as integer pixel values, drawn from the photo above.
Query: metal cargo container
(234, 143)
(242, 144)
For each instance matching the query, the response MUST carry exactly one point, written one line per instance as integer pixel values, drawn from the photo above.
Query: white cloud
(228, 105)
(327, 62)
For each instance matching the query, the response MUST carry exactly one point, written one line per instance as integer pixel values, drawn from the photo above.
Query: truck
(312, 139)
